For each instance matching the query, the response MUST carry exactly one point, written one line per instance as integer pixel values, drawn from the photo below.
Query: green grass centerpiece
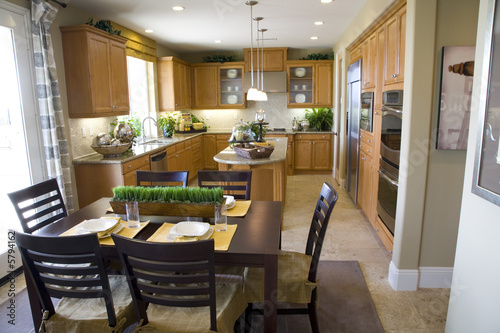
(168, 200)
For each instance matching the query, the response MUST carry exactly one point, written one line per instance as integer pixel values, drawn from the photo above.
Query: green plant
(104, 25)
(169, 194)
(220, 58)
(255, 130)
(320, 118)
(167, 124)
(133, 121)
(318, 56)
(195, 119)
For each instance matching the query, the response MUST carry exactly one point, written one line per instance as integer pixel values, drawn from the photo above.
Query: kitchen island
(268, 174)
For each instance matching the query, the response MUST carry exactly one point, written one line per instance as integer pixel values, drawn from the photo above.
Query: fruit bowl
(111, 150)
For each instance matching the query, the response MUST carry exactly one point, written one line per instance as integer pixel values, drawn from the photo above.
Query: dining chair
(162, 178)
(297, 271)
(177, 280)
(38, 205)
(72, 268)
(235, 183)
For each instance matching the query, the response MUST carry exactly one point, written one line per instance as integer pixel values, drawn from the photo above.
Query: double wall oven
(390, 144)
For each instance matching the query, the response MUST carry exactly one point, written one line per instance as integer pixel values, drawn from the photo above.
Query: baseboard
(435, 277)
(403, 279)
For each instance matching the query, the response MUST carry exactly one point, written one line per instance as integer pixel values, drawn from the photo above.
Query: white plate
(232, 99)
(300, 98)
(191, 229)
(300, 72)
(98, 225)
(230, 202)
(115, 230)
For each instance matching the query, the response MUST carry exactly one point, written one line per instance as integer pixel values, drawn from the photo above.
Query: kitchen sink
(156, 142)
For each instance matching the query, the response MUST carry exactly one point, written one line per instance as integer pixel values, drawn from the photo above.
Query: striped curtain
(49, 99)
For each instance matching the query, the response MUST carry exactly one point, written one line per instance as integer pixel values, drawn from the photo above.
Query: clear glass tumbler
(220, 217)
(133, 219)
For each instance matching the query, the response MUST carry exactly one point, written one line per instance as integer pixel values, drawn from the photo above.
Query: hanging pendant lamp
(252, 93)
(263, 95)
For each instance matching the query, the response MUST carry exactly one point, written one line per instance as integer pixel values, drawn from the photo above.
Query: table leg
(270, 292)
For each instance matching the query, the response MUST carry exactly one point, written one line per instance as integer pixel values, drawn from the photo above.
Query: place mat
(221, 239)
(240, 209)
(125, 232)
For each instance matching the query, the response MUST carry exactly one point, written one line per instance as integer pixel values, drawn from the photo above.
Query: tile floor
(351, 237)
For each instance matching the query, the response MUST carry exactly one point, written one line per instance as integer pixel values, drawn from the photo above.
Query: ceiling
(195, 29)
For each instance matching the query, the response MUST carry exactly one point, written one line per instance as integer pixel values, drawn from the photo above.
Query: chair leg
(313, 312)
(248, 321)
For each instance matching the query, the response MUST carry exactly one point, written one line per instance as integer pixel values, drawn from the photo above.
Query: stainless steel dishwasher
(159, 161)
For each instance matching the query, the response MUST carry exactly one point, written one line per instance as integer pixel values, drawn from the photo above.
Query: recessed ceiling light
(319, 23)
(149, 31)
(218, 41)
(314, 37)
(326, 1)
(178, 8)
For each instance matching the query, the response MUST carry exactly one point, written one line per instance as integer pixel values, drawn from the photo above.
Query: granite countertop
(140, 150)
(228, 155)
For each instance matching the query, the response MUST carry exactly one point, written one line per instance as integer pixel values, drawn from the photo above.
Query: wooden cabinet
(310, 83)
(209, 151)
(395, 29)
(174, 84)
(368, 177)
(176, 157)
(95, 65)
(129, 169)
(369, 64)
(312, 152)
(215, 86)
(356, 54)
(289, 151)
(274, 59)
(196, 162)
(222, 142)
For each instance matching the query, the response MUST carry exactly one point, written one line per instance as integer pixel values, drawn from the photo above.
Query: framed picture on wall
(486, 175)
(456, 92)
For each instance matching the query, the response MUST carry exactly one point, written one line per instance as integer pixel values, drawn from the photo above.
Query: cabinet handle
(129, 166)
(367, 151)
(147, 160)
(376, 230)
(324, 137)
(364, 159)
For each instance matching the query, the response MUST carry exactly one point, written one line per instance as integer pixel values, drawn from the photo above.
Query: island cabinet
(395, 34)
(310, 83)
(289, 151)
(95, 65)
(174, 84)
(313, 152)
(209, 151)
(274, 59)
(216, 85)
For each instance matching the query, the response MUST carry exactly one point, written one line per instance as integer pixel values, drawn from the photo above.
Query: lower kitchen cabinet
(312, 152)
(176, 157)
(222, 142)
(209, 151)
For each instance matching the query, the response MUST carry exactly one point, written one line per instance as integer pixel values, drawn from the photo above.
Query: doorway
(20, 139)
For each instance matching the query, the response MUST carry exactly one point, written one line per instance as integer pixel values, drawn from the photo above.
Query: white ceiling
(202, 22)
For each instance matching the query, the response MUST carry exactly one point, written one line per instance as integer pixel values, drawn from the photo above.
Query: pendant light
(263, 93)
(252, 93)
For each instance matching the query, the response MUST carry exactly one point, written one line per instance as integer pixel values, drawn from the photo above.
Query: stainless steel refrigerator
(353, 118)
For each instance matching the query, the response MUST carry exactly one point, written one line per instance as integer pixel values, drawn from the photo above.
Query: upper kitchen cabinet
(395, 34)
(310, 83)
(95, 65)
(274, 59)
(218, 85)
(369, 62)
(174, 84)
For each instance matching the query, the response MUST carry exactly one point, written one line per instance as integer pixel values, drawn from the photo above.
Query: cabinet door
(209, 151)
(369, 61)
(394, 50)
(188, 158)
(99, 62)
(364, 183)
(185, 86)
(130, 178)
(324, 85)
(302, 154)
(205, 86)
(321, 155)
(300, 85)
(231, 87)
(402, 44)
(118, 77)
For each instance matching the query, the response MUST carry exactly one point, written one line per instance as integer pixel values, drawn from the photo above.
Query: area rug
(345, 305)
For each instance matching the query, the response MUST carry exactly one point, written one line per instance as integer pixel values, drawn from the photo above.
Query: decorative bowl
(111, 150)
(232, 73)
(123, 132)
(300, 72)
(197, 126)
(232, 99)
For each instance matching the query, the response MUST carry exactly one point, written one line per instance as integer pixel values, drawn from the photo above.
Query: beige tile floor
(351, 237)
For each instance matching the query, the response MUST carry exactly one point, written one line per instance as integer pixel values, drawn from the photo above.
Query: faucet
(142, 127)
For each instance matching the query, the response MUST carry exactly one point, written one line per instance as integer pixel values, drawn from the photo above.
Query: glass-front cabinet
(231, 86)
(301, 85)
(310, 83)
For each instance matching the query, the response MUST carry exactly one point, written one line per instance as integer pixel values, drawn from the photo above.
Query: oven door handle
(392, 181)
(388, 108)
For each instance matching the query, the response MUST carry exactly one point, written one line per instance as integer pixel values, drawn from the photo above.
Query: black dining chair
(162, 178)
(39, 205)
(173, 286)
(297, 271)
(72, 268)
(235, 183)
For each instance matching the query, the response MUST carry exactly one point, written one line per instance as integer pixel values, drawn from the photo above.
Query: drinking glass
(221, 217)
(133, 219)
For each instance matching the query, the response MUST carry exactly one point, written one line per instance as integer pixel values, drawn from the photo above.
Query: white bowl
(232, 73)
(300, 72)
(230, 202)
(191, 229)
(98, 225)
(232, 99)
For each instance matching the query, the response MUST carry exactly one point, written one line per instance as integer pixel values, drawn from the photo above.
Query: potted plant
(320, 119)
(167, 124)
(199, 120)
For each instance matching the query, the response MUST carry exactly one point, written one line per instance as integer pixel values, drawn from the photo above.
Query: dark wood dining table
(256, 243)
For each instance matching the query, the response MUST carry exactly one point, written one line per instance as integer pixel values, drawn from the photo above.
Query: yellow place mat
(240, 209)
(221, 239)
(125, 232)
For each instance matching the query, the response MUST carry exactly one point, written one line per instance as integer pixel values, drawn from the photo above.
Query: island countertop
(228, 155)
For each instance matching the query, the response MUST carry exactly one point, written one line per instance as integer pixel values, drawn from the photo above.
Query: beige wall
(474, 305)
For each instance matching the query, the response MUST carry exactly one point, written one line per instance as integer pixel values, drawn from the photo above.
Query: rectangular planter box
(168, 209)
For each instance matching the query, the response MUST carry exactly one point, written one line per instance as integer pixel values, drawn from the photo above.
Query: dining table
(255, 243)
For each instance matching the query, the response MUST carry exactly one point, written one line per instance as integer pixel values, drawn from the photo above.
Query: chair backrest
(235, 183)
(324, 206)
(69, 266)
(38, 205)
(165, 273)
(162, 178)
